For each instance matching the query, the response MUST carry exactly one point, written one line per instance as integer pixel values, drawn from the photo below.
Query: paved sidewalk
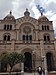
(31, 73)
(13, 73)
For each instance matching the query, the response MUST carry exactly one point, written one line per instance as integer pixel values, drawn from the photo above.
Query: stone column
(45, 65)
(17, 35)
(13, 45)
(42, 48)
(37, 35)
(55, 44)
(9, 69)
(22, 68)
(43, 56)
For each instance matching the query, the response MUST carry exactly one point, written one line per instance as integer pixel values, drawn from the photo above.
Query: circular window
(27, 29)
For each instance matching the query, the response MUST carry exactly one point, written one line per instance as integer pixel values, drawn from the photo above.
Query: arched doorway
(50, 61)
(27, 62)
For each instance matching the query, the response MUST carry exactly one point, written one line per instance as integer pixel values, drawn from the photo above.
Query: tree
(11, 59)
(15, 58)
(4, 61)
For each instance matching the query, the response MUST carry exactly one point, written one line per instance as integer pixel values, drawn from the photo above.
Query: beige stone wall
(38, 45)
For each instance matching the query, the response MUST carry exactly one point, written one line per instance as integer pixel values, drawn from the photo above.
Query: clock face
(26, 29)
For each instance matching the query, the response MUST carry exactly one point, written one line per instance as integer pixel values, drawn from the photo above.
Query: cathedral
(34, 38)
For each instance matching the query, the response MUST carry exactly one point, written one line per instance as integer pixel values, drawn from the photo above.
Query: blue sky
(18, 7)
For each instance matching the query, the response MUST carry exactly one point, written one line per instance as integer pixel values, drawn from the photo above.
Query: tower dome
(43, 18)
(9, 17)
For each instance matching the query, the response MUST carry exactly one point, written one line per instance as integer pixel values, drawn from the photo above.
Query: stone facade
(32, 37)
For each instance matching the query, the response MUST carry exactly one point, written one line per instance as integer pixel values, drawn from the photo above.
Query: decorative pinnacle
(26, 13)
(26, 9)
(10, 12)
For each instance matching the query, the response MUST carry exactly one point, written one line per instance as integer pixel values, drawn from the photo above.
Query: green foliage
(4, 58)
(11, 58)
(4, 61)
(15, 58)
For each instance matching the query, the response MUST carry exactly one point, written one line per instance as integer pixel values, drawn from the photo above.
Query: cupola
(9, 16)
(26, 13)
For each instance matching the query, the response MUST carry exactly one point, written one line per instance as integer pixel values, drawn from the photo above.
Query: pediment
(27, 19)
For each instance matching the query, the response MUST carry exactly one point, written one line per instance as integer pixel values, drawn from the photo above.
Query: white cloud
(5, 6)
(49, 1)
(20, 6)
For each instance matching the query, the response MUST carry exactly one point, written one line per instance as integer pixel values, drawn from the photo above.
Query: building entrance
(27, 62)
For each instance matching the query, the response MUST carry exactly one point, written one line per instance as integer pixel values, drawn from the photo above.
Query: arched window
(6, 37)
(42, 27)
(30, 37)
(7, 27)
(23, 37)
(45, 27)
(46, 37)
(27, 38)
(10, 27)
(50, 61)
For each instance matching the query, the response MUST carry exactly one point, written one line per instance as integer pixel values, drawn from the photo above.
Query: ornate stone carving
(27, 29)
